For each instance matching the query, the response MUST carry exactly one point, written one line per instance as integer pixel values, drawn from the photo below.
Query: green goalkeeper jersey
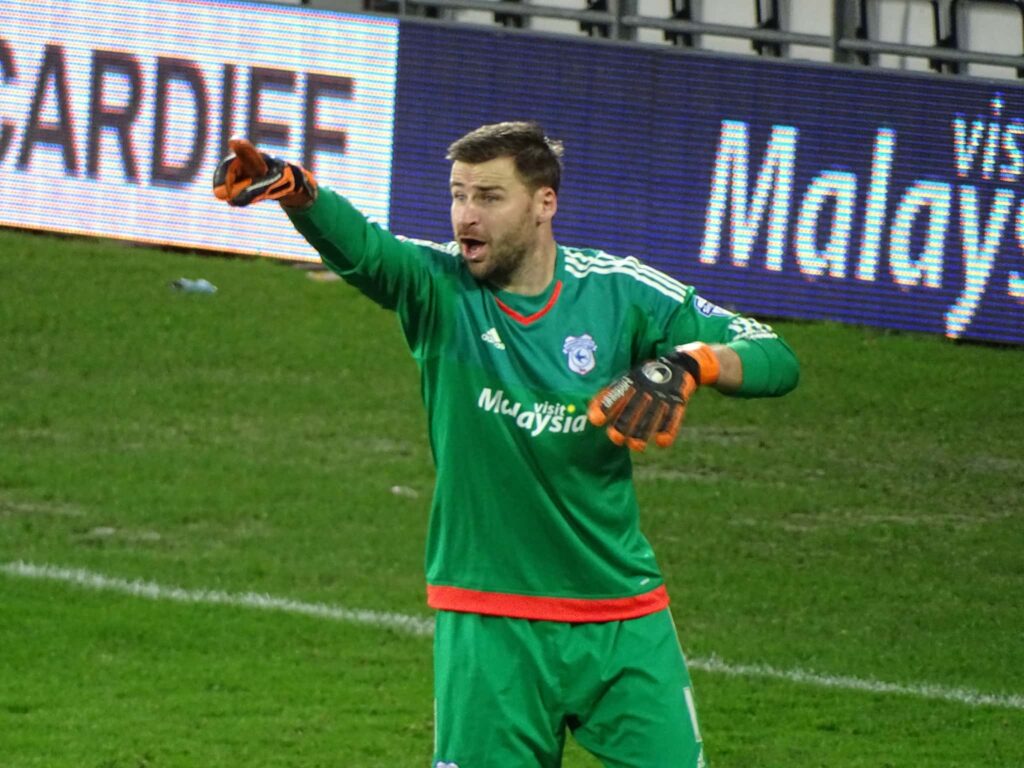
(534, 513)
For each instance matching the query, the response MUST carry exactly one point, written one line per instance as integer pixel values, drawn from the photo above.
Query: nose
(464, 214)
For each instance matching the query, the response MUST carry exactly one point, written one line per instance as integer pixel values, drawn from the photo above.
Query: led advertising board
(114, 114)
(779, 188)
(786, 189)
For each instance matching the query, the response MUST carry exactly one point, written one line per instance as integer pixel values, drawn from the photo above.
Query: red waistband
(569, 609)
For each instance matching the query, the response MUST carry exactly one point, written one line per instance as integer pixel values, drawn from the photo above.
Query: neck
(536, 272)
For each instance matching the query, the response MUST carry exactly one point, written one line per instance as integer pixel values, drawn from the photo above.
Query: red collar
(527, 319)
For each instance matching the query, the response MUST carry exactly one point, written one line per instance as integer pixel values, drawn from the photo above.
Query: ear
(545, 204)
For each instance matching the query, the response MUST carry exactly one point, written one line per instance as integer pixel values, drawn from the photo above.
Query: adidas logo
(491, 337)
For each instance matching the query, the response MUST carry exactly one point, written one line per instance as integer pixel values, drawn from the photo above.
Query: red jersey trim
(568, 609)
(527, 319)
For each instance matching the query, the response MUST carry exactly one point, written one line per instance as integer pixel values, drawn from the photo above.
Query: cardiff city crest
(579, 350)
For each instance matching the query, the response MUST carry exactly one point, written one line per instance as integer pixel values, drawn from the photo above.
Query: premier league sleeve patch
(579, 351)
(708, 309)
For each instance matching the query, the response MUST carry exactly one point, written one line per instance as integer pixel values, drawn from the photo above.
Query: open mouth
(472, 249)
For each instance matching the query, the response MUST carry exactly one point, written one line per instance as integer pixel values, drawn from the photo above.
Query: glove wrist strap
(698, 360)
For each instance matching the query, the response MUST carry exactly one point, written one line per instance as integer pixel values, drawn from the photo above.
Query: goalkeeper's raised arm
(393, 272)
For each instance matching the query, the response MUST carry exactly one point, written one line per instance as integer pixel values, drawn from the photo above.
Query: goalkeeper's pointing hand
(650, 400)
(249, 176)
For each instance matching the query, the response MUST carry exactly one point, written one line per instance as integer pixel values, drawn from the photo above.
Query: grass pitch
(269, 438)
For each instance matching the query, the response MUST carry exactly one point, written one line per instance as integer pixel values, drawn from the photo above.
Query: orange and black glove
(249, 176)
(650, 400)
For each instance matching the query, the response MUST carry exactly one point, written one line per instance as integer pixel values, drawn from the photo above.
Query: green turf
(269, 438)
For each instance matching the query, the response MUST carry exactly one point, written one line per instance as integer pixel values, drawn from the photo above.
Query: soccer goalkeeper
(542, 367)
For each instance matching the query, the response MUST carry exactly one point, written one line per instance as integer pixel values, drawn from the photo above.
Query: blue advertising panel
(780, 188)
(785, 189)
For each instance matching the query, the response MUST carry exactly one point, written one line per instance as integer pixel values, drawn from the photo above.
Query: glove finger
(615, 436)
(666, 434)
(230, 182)
(220, 178)
(251, 159)
(240, 185)
(631, 421)
(606, 405)
(687, 387)
(644, 429)
(285, 184)
(268, 187)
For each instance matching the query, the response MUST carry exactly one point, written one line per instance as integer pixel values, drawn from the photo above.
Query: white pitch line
(412, 625)
(968, 696)
(424, 627)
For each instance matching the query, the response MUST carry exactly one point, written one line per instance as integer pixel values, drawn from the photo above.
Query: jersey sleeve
(398, 274)
(770, 368)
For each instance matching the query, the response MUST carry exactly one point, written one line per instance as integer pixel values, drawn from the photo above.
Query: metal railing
(853, 37)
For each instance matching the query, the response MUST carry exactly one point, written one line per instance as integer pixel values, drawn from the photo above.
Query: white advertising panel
(115, 113)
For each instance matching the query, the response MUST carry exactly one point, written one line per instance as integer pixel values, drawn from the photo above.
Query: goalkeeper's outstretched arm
(395, 273)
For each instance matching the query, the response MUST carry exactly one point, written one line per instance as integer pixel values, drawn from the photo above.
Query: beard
(506, 255)
(503, 262)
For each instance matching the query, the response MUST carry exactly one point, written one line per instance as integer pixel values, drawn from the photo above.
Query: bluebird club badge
(579, 350)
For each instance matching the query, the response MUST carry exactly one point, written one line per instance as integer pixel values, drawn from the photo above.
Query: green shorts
(507, 690)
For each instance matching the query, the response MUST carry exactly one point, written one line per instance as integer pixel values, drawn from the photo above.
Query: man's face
(495, 218)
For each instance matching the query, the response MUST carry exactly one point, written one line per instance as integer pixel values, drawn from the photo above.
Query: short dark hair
(537, 158)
